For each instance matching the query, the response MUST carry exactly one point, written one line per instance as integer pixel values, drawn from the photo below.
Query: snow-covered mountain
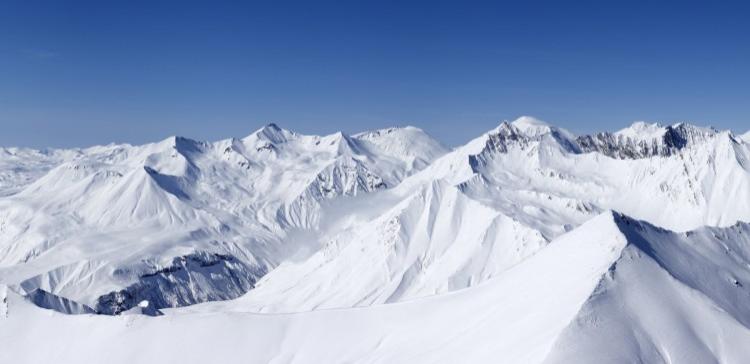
(489, 205)
(109, 226)
(528, 244)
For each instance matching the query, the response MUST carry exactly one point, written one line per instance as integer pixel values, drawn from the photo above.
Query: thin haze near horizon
(81, 73)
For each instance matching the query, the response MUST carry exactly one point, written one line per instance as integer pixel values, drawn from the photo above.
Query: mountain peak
(406, 141)
(274, 134)
(371, 134)
(529, 121)
(525, 130)
(641, 130)
(531, 126)
(179, 143)
(343, 143)
(272, 126)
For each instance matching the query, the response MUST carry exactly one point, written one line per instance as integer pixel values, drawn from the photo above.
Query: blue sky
(77, 73)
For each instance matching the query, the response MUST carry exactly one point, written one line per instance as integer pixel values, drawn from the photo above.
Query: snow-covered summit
(273, 133)
(641, 130)
(531, 126)
(404, 142)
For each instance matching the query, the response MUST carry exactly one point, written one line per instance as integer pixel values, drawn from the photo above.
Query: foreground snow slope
(613, 290)
(508, 319)
(670, 298)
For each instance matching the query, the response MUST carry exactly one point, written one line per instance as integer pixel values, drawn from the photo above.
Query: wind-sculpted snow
(382, 246)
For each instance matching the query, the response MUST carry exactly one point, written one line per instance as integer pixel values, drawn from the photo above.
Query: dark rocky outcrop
(190, 279)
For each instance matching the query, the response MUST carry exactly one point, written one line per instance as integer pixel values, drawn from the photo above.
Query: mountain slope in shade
(668, 298)
(595, 273)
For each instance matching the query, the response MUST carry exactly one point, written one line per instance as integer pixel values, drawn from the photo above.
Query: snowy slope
(604, 310)
(434, 241)
(509, 319)
(668, 298)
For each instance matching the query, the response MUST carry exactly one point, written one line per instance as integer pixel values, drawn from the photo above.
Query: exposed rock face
(661, 141)
(190, 279)
(344, 177)
(672, 140)
(618, 147)
(506, 135)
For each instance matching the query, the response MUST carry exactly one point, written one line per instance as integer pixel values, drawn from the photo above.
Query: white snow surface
(613, 290)
(642, 130)
(529, 244)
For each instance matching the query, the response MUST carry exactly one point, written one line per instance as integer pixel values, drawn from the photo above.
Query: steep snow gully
(529, 244)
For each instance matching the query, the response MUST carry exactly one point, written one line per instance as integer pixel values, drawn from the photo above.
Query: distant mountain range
(529, 244)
